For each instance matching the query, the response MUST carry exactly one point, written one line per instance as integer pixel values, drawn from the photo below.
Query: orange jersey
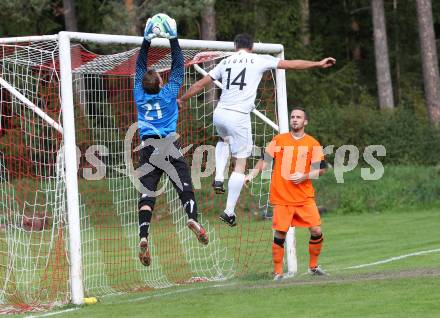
(292, 155)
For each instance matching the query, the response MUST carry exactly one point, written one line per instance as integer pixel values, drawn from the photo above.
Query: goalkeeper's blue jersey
(158, 113)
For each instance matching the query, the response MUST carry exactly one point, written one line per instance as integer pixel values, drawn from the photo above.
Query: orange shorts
(285, 216)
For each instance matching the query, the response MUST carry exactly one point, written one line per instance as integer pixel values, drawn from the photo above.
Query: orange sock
(315, 245)
(277, 256)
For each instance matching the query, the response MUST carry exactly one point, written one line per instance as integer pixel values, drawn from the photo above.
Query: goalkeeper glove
(148, 32)
(170, 29)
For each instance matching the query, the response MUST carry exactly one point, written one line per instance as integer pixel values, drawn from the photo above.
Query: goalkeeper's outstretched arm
(177, 67)
(141, 66)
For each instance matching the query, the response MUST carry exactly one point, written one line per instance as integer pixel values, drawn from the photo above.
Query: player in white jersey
(240, 75)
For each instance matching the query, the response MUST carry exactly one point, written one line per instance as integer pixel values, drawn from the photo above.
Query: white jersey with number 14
(240, 76)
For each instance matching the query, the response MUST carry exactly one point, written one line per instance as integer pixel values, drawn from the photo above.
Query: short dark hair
(151, 82)
(243, 41)
(299, 108)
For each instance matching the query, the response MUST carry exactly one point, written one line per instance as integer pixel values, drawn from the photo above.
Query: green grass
(382, 222)
(401, 288)
(387, 298)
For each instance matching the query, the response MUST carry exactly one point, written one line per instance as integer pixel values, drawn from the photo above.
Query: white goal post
(68, 126)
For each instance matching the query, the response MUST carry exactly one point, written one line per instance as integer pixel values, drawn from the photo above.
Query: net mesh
(34, 262)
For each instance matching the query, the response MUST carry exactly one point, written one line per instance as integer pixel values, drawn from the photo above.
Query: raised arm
(303, 65)
(177, 67)
(141, 66)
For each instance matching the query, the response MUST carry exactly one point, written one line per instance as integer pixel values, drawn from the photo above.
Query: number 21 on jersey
(150, 108)
(239, 80)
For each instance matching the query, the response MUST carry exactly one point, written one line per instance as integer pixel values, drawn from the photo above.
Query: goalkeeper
(240, 74)
(160, 149)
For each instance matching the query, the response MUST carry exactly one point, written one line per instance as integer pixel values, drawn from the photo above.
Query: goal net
(34, 223)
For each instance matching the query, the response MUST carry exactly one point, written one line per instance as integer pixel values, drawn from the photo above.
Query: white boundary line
(180, 291)
(392, 259)
(53, 313)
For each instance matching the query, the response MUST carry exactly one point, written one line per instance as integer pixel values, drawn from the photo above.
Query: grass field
(404, 287)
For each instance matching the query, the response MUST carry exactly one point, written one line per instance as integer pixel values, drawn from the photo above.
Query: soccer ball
(164, 26)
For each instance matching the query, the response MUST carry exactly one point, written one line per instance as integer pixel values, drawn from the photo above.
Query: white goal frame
(68, 127)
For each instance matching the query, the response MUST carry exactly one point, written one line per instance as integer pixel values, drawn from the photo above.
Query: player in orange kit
(298, 159)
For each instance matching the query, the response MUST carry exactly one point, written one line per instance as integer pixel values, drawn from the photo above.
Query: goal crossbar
(269, 48)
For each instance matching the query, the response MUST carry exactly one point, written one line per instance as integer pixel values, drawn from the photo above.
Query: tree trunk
(208, 32)
(383, 75)
(356, 51)
(429, 59)
(398, 89)
(129, 6)
(305, 22)
(70, 15)
(208, 21)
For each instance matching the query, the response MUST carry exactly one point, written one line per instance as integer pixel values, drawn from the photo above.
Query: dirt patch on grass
(347, 278)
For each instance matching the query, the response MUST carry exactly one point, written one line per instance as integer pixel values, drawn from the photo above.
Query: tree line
(386, 49)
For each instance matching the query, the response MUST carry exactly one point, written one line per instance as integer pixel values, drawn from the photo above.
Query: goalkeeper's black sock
(144, 222)
(189, 204)
(190, 207)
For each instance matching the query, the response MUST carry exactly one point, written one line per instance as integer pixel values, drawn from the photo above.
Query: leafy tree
(23, 17)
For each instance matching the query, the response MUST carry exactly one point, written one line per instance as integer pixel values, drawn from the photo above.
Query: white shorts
(235, 128)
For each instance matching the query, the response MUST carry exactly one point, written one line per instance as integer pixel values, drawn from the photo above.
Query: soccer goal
(68, 159)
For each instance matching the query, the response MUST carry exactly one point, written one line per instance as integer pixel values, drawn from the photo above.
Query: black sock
(190, 208)
(144, 222)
